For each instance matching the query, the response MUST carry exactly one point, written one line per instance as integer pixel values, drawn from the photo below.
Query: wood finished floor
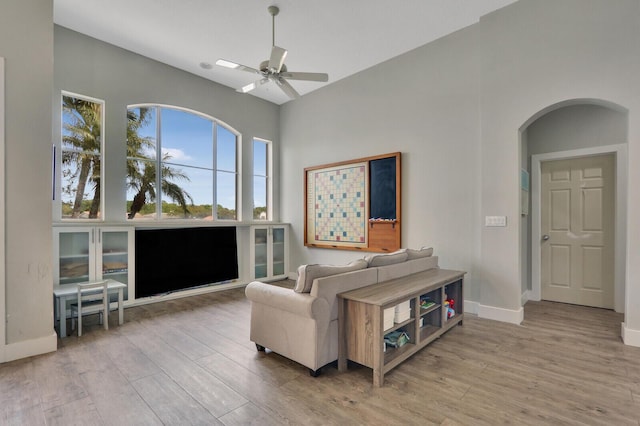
(190, 361)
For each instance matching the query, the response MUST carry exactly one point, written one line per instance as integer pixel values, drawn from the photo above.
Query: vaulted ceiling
(338, 37)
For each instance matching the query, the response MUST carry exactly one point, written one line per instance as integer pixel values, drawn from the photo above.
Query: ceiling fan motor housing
(264, 67)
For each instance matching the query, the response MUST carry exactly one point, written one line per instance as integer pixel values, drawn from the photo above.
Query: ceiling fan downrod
(273, 10)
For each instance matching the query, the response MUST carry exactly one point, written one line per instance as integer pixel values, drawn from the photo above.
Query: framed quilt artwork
(338, 200)
(337, 210)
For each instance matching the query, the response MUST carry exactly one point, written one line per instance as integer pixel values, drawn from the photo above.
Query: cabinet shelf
(427, 331)
(392, 353)
(114, 253)
(72, 280)
(73, 256)
(425, 311)
(453, 319)
(361, 335)
(268, 252)
(88, 253)
(399, 325)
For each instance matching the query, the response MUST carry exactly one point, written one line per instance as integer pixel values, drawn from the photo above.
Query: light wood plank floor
(190, 361)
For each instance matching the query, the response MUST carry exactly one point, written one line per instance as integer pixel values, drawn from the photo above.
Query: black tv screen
(176, 259)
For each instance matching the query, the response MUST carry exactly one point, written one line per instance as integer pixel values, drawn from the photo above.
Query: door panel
(577, 213)
(592, 264)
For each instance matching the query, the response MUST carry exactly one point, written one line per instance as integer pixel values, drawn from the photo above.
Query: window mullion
(158, 163)
(214, 206)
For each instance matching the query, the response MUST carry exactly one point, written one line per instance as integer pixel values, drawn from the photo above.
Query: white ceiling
(339, 37)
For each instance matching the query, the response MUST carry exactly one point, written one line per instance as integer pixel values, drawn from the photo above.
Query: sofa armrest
(302, 304)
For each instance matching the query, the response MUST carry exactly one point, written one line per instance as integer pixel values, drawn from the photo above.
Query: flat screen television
(179, 258)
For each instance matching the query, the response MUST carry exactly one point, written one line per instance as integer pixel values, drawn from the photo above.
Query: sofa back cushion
(382, 259)
(328, 287)
(391, 272)
(308, 273)
(417, 254)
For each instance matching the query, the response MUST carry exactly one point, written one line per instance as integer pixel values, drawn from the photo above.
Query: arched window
(180, 165)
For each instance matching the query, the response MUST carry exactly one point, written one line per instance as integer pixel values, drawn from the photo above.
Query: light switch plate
(495, 221)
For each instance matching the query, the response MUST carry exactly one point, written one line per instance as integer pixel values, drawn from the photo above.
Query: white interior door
(577, 224)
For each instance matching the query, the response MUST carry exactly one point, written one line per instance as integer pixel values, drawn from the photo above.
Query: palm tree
(82, 137)
(142, 179)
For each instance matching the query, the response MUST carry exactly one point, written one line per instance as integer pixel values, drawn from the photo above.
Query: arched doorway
(570, 130)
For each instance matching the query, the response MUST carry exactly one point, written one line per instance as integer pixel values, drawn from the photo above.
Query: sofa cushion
(417, 254)
(308, 273)
(384, 259)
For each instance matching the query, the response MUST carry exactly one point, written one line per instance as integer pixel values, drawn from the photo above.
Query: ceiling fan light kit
(274, 69)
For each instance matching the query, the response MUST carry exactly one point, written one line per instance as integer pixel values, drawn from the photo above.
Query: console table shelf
(361, 318)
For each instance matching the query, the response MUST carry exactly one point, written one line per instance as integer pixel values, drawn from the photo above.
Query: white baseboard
(29, 348)
(513, 316)
(524, 298)
(630, 336)
(471, 307)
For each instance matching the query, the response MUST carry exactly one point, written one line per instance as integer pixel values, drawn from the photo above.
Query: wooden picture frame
(354, 205)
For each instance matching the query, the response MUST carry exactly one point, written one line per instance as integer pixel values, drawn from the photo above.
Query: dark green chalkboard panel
(382, 188)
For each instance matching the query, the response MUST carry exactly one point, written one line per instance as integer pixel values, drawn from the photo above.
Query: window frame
(214, 166)
(268, 176)
(57, 196)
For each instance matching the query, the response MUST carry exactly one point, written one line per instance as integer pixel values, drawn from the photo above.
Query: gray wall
(424, 104)
(575, 127)
(537, 54)
(455, 108)
(93, 68)
(26, 42)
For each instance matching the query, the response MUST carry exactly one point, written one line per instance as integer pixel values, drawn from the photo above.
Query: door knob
(545, 237)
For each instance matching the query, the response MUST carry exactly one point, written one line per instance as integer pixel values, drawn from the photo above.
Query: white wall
(455, 108)
(26, 43)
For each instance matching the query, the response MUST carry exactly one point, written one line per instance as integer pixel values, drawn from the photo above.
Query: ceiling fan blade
(307, 76)
(286, 88)
(251, 86)
(277, 58)
(235, 66)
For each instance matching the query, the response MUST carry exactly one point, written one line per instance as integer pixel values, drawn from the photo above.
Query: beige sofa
(302, 324)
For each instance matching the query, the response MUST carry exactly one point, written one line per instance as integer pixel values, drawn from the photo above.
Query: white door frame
(3, 260)
(620, 252)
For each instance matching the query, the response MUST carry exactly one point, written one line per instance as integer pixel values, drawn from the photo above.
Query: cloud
(175, 154)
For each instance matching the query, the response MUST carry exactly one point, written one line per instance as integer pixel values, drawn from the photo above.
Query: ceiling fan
(274, 69)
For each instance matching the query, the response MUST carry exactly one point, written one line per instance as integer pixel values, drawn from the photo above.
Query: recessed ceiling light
(206, 65)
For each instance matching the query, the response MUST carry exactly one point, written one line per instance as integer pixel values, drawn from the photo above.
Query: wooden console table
(361, 318)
